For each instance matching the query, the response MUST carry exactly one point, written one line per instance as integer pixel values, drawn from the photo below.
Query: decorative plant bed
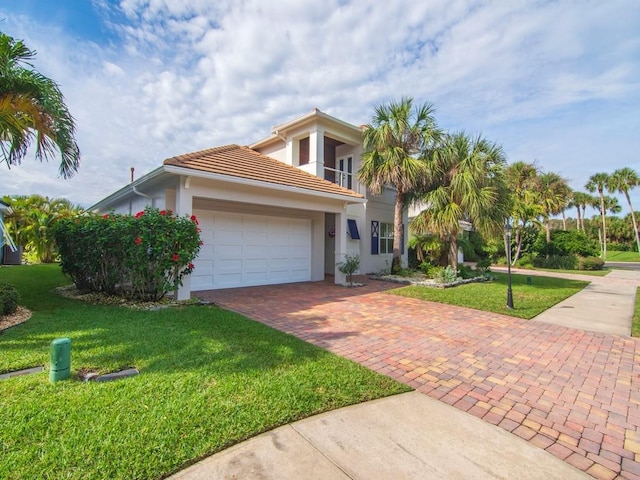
(423, 280)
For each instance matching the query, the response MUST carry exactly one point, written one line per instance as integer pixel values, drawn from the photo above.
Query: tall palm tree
(396, 145)
(471, 186)
(554, 193)
(32, 108)
(621, 181)
(597, 182)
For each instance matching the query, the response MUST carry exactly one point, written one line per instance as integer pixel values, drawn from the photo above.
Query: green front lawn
(623, 256)
(528, 300)
(208, 379)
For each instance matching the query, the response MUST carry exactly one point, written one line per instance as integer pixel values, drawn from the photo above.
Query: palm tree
(396, 144)
(32, 108)
(580, 201)
(522, 181)
(554, 193)
(597, 183)
(621, 181)
(470, 186)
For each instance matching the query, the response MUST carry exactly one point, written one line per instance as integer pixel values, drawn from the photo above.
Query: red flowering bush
(140, 257)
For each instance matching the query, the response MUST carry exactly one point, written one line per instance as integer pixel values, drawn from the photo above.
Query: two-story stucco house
(284, 209)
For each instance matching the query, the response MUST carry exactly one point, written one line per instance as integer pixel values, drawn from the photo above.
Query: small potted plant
(349, 266)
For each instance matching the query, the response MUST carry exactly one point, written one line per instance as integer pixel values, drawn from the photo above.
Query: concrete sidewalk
(605, 305)
(408, 436)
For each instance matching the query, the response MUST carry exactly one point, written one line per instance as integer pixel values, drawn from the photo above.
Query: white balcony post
(341, 246)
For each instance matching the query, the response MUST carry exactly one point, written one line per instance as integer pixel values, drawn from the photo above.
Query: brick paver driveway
(574, 393)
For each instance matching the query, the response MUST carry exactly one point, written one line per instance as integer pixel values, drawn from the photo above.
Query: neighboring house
(285, 209)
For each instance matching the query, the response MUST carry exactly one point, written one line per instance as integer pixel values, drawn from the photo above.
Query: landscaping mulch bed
(20, 316)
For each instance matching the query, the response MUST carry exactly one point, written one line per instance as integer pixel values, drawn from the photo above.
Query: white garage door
(242, 250)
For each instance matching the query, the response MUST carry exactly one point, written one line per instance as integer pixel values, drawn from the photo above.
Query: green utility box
(60, 367)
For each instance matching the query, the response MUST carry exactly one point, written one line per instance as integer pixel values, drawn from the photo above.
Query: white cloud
(187, 75)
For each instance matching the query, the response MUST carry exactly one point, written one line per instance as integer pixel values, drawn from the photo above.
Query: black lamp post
(507, 234)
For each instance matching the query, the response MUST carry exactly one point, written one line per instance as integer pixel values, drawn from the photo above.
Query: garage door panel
(227, 251)
(255, 251)
(243, 250)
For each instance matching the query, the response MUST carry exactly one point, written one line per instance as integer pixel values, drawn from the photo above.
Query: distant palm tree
(32, 108)
(396, 145)
(554, 194)
(581, 200)
(621, 181)
(470, 186)
(597, 182)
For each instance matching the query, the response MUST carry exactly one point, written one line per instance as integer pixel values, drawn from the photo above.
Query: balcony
(344, 179)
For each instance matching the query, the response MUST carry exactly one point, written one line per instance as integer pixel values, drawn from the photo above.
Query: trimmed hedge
(590, 263)
(9, 299)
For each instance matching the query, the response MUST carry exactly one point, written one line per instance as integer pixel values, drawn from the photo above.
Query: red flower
(163, 212)
(191, 266)
(175, 257)
(194, 219)
(139, 214)
(201, 243)
(138, 241)
(106, 215)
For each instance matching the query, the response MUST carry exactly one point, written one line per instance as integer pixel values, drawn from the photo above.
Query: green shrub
(427, 268)
(465, 271)
(590, 263)
(562, 262)
(444, 275)
(620, 247)
(483, 266)
(526, 260)
(139, 257)
(9, 299)
(565, 243)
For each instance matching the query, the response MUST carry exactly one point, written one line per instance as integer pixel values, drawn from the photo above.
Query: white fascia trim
(126, 190)
(257, 183)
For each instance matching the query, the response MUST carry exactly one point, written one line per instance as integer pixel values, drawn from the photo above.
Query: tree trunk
(584, 212)
(396, 263)
(453, 250)
(633, 219)
(564, 221)
(604, 226)
(547, 227)
(578, 219)
(518, 247)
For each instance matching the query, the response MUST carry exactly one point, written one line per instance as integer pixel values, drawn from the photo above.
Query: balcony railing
(344, 179)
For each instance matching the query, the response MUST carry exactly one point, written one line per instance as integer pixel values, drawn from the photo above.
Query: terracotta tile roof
(243, 162)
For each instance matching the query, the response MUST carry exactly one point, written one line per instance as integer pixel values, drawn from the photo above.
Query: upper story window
(304, 151)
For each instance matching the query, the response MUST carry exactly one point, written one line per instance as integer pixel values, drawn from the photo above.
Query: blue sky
(556, 82)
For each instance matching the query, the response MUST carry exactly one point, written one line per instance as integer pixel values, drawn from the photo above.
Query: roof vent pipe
(132, 170)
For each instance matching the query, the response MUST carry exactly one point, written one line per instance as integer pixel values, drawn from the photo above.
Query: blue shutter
(375, 235)
(402, 241)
